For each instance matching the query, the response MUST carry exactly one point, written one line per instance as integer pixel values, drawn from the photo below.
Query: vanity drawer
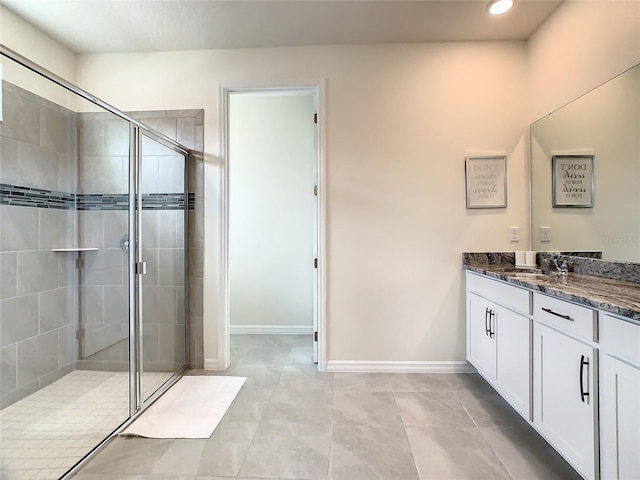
(572, 318)
(620, 337)
(515, 298)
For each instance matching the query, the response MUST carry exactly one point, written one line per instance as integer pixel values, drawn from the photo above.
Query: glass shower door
(64, 333)
(162, 184)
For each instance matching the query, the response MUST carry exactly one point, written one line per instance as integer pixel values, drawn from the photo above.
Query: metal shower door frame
(137, 268)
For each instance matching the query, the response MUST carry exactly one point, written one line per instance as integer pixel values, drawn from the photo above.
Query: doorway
(273, 224)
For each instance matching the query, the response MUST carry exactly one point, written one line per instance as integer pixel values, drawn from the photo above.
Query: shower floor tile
(46, 433)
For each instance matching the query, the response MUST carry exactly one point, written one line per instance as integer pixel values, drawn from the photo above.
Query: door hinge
(315, 190)
(141, 268)
(315, 263)
(79, 262)
(315, 118)
(315, 336)
(80, 333)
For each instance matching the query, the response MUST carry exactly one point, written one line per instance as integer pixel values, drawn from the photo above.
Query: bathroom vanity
(564, 348)
(564, 351)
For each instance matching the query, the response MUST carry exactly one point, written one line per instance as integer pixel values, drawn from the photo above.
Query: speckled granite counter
(610, 295)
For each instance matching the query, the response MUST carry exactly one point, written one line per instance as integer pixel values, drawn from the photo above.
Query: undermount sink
(548, 276)
(522, 270)
(527, 273)
(521, 274)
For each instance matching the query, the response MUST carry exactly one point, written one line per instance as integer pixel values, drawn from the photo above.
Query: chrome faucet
(561, 264)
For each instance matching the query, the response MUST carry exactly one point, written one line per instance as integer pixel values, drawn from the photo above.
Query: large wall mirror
(603, 125)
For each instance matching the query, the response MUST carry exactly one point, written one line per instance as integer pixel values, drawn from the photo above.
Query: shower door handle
(141, 268)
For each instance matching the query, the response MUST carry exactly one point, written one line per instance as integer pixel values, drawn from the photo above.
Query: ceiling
(104, 26)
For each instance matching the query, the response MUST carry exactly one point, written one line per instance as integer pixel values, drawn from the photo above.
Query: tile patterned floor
(46, 433)
(291, 422)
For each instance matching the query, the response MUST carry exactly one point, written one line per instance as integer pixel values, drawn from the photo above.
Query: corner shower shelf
(77, 249)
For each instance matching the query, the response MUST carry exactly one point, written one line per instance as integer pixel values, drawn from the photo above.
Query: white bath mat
(192, 408)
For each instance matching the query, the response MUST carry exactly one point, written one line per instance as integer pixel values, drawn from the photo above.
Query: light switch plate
(545, 234)
(514, 234)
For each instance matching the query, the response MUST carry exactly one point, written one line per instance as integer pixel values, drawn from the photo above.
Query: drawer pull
(583, 361)
(566, 317)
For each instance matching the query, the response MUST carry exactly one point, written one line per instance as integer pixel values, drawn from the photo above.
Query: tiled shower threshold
(45, 434)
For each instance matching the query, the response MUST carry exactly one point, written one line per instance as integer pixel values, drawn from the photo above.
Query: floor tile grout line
(330, 459)
(246, 453)
(477, 427)
(455, 392)
(506, 468)
(406, 435)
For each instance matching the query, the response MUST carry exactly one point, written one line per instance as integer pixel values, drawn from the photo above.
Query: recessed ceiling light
(498, 7)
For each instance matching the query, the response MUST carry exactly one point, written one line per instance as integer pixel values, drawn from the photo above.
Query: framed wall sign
(486, 181)
(573, 180)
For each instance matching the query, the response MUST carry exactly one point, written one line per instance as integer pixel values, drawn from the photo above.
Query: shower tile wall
(37, 300)
(103, 184)
(67, 159)
(163, 249)
(103, 155)
(196, 246)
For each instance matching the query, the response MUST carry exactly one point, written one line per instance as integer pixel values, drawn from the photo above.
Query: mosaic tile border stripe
(35, 197)
(20, 196)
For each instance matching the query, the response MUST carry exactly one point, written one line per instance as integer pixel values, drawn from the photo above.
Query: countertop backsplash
(489, 258)
(584, 263)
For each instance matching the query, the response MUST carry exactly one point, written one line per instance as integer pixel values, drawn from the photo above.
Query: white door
(620, 419)
(566, 396)
(481, 350)
(513, 365)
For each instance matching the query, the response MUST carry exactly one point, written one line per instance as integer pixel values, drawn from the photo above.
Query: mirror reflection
(605, 124)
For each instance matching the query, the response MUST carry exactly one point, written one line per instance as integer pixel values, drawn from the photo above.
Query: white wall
(271, 202)
(400, 120)
(582, 45)
(30, 42)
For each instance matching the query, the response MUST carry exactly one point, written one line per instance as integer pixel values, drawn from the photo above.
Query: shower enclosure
(93, 262)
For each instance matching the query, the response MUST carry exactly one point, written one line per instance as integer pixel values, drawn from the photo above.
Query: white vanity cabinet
(499, 338)
(619, 398)
(565, 365)
(572, 371)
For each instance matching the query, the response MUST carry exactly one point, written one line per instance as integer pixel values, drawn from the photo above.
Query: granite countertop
(610, 295)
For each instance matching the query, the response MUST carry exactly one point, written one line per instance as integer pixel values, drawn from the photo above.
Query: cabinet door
(566, 396)
(481, 347)
(513, 360)
(620, 419)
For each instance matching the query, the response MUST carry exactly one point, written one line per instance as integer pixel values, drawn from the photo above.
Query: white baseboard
(400, 367)
(270, 329)
(212, 364)
(380, 367)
